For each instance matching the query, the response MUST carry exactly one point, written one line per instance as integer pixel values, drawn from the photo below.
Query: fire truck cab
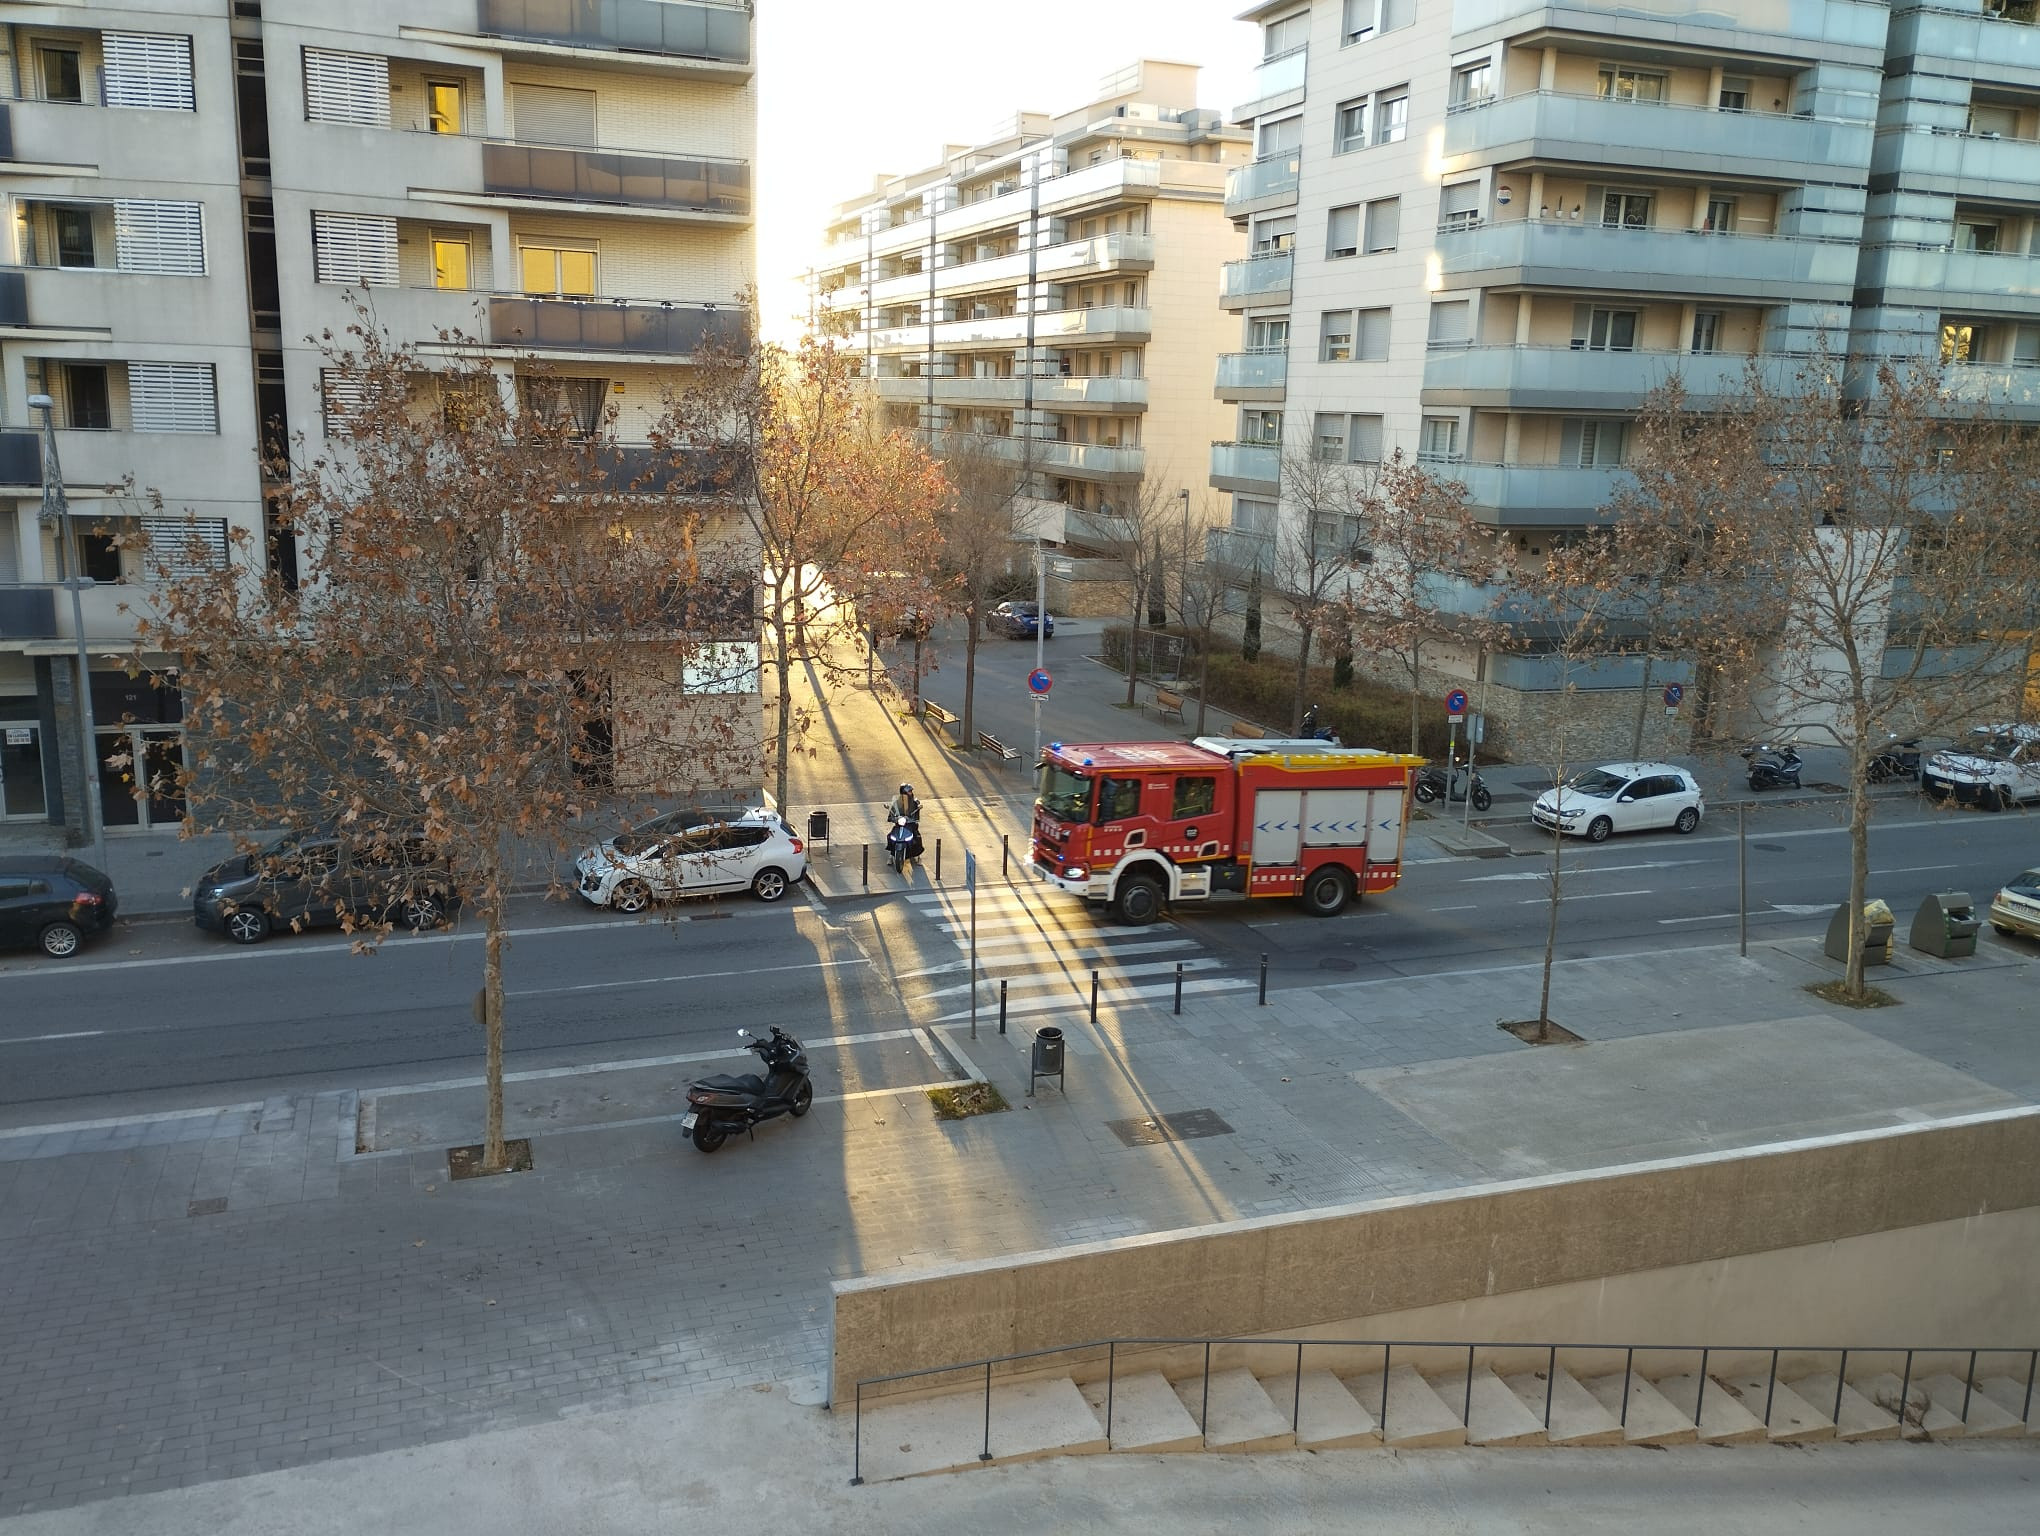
(1142, 825)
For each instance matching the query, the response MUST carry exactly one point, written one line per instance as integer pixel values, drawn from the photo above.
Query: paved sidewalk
(196, 1299)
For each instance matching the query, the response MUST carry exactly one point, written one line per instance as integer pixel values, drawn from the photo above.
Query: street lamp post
(56, 516)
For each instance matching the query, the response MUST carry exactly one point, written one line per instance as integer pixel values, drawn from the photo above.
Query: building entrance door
(21, 771)
(155, 753)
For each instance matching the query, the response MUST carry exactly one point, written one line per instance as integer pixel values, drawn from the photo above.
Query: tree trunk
(1557, 878)
(782, 665)
(970, 648)
(1133, 645)
(1859, 860)
(1302, 679)
(1642, 706)
(1416, 682)
(493, 1158)
(1203, 681)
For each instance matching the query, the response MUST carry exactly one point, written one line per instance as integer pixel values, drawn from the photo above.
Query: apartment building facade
(199, 190)
(1050, 288)
(1481, 232)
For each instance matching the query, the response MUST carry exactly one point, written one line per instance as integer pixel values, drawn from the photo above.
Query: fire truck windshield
(1065, 795)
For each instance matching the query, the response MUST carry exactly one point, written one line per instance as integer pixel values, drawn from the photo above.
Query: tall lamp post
(56, 516)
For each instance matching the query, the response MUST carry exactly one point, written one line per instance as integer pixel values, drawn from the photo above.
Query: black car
(319, 880)
(52, 902)
(1017, 621)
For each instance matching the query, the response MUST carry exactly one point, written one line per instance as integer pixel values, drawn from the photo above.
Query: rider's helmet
(906, 789)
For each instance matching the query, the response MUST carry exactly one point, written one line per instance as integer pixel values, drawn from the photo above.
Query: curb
(183, 907)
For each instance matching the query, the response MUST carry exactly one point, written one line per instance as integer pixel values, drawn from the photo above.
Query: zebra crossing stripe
(1079, 980)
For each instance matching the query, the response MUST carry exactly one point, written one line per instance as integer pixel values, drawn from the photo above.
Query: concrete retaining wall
(1327, 1270)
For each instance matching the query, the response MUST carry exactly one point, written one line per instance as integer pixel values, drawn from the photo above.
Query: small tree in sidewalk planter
(976, 521)
(842, 508)
(1200, 589)
(1133, 535)
(498, 627)
(1316, 552)
(1250, 631)
(1884, 535)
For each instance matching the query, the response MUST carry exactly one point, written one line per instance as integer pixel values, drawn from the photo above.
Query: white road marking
(1913, 869)
(1583, 869)
(651, 981)
(1158, 993)
(75, 1034)
(1031, 955)
(110, 1122)
(1536, 901)
(1078, 980)
(1467, 907)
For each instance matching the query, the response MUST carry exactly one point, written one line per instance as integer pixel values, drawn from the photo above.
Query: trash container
(1945, 925)
(1047, 1059)
(1878, 924)
(818, 826)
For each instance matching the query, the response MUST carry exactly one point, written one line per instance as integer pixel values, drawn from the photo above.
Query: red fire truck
(1142, 824)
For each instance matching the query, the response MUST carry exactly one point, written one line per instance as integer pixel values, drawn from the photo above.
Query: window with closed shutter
(1450, 322)
(340, 400)
(551, 114)
(355, 249)
(187, 546)
(147, 69)
(153, 236)
(1342, 231)
(172, 397)
(1459, 205)
(1384, 223)
(347, 88)
(1373, 335)
(1365, 440)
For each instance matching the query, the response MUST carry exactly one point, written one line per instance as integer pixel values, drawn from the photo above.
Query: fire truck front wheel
(1326, 892)
(1139, 900)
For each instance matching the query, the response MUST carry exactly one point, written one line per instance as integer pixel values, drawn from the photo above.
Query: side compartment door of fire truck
(1384, 829)
(1277, 828)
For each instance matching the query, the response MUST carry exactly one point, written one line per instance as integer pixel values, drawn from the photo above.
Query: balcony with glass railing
(1256, 280)
(677, 30)
(1262, 184)
(1246, 466)
(1254, 375)
(677, 184)
(1104, 322)
(1590, 379)
(1590, 254)
(1981, 165)
(1238, 549)
(656, 327)
(1084, 461)
(1940, 277)
(1278, 82)
(1535, 495)
(1667, 136)
(1982, 40)
(1049, 392)
(1738, 24)
(1053, 263)
(2011, 387)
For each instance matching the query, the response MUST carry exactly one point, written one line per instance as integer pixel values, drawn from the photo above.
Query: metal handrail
(1389, 1346)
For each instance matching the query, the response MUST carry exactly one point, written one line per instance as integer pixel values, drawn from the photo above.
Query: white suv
(1622, 797)
(754, 851)
(2000, 769)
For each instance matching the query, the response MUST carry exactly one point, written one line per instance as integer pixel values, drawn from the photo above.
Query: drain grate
(212, 1207)
(1184, 1125)
(1337, 963)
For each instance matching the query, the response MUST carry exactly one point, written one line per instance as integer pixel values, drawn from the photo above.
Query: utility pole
(56, 515)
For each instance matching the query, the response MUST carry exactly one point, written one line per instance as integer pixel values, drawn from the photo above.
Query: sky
(849, 89)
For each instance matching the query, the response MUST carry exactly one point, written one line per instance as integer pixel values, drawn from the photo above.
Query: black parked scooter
(727, 1103)
(1899, 760)
(1431, 786)
(1772, 766)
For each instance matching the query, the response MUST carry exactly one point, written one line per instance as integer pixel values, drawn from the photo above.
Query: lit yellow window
(550, 269)
(443, 106)
(449, 263)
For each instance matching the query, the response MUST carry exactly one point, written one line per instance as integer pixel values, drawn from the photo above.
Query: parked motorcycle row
(1776, 765)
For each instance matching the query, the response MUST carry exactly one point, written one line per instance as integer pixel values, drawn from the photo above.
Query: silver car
(754, 852)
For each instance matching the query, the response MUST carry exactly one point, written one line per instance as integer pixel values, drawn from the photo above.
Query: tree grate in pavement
(1184, 1125)
(212, 1207)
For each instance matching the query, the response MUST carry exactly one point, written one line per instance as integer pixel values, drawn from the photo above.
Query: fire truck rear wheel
(1139, 900)
(1326, 892)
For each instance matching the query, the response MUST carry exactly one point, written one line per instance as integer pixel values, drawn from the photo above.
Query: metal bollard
(867, 866)
(1179, 986)
(1264, 979)
(1005, 852)
(938, 861)
(1002, 1007)
(1094, 997)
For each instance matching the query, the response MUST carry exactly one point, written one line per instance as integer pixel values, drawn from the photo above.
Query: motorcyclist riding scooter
(1317, 732)
(903, 828)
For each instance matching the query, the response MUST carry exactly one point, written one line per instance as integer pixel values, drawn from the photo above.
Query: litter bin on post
(1945, 925)
(1047, 1058)
(1878, 924)
(818, 826)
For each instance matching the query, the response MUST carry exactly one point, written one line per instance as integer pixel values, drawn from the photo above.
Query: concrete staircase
(1344, 1404)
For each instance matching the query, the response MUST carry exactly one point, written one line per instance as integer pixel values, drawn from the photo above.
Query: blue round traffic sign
(1038, 681)
(1455, 702)
(1673, 693)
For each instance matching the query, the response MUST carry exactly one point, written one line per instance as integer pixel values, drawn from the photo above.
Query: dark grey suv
(52, 902)
(319, 880)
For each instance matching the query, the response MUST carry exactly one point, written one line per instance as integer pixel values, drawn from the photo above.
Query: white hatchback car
(1622, 797)
(752, 852)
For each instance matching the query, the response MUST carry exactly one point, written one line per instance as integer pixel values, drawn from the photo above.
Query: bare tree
(1134, 536)
(978, 542)
(1888, 536)
(843, 510)
(503, 619)
(1201, 588)
(1316, 551)
(1421, 583)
